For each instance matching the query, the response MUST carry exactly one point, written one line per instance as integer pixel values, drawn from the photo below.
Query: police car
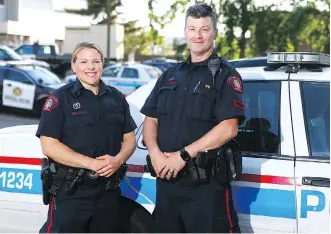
(285, 138)
(25, 86)
(126, 77)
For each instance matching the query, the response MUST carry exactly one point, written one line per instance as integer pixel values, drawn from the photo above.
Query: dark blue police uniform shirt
(187, 105)
(92, 125)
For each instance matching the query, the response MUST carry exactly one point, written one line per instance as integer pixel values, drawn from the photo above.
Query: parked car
(126, 77)
(161, 64)
(249, 62)
(25, 86)
(8, 54)
(59, 64)
(285, 185)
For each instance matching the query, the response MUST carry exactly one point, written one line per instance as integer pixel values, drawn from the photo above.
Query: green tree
(138, 40)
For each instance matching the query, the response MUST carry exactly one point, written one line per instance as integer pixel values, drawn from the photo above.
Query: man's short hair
(201, 10)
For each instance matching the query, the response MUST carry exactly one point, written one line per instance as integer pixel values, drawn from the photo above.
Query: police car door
(265, 195)
(311, 124)
(18, 90)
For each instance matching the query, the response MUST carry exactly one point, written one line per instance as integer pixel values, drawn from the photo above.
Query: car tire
(134, 218)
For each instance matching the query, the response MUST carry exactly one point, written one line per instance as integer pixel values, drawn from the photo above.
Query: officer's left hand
(174, 162)
(113, 163)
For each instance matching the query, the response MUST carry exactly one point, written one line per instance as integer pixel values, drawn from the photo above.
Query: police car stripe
(269, 202)
(128, 85)
(267, 179)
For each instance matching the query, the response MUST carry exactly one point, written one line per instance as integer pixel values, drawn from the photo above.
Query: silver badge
(76, 105)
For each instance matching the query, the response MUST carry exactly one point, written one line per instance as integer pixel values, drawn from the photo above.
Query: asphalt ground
(10, 118)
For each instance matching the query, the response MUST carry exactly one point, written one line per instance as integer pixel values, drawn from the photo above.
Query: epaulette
(116, 91)
(64, 87)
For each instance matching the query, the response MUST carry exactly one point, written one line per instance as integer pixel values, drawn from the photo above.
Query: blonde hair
(84, 45)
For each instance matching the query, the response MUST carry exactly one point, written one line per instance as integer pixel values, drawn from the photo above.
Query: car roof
(258, 73)
(248, 59)
(16, 64)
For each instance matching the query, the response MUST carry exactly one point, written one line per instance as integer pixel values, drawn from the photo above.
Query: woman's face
(88, 66)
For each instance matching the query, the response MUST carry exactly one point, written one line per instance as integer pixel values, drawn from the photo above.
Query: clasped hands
(167, 165)
(105, 165)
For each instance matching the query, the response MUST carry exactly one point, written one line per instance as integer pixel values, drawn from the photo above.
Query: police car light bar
(299, 58)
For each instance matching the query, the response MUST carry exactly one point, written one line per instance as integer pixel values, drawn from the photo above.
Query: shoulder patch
(51, 103)
(235, 83)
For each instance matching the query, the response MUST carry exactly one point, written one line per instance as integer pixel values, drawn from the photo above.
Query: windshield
(47, 77)
(153, 71)
(12, 53)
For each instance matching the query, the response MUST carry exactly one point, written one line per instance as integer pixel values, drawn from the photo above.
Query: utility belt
(223, 164)
(55, 177)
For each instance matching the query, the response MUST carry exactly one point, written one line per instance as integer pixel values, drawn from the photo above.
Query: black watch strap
(185, 155)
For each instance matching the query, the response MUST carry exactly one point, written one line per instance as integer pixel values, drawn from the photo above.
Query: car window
(44, 50)
(9, 53)
(130, 73)
(19, 77)
(153, 72)
(260, 131)
(25, 49)
(111, 71)
(39, 73)
(317, 117)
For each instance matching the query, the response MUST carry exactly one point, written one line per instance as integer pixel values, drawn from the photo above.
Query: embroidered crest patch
(235, 83)
(51, 103)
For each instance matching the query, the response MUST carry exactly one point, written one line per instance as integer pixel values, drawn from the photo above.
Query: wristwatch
(185, 155)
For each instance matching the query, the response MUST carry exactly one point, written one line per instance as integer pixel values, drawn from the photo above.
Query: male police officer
(194, 107)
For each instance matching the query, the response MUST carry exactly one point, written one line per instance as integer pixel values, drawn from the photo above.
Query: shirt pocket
(114, 121)
(80, 120)
(167, 99)
(202, 104)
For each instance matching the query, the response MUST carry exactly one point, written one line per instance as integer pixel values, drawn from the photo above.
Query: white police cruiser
(26, 86)
(286, 143)
(126, 77)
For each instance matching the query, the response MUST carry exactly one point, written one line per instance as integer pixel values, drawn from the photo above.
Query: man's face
(199, 34)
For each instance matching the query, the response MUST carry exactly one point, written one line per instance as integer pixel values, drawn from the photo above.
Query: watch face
(185, 155)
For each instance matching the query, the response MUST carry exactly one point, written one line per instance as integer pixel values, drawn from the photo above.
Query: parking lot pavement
(14, 119)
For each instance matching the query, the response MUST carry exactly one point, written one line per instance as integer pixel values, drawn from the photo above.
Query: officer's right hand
(96, 165)
(158, 162)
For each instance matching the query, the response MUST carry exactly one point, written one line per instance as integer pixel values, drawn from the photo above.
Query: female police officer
(87, 129)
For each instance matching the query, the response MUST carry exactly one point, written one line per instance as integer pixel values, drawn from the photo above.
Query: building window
(2, 2)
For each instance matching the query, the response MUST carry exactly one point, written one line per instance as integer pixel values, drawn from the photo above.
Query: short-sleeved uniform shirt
(90, 124)
(187, 104)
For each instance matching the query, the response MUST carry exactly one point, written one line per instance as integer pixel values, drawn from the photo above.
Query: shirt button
(173, 137)
(178, 103)
(185, 88)
(176, 120)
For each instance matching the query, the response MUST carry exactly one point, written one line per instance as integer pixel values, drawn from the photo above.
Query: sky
(138, 10)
